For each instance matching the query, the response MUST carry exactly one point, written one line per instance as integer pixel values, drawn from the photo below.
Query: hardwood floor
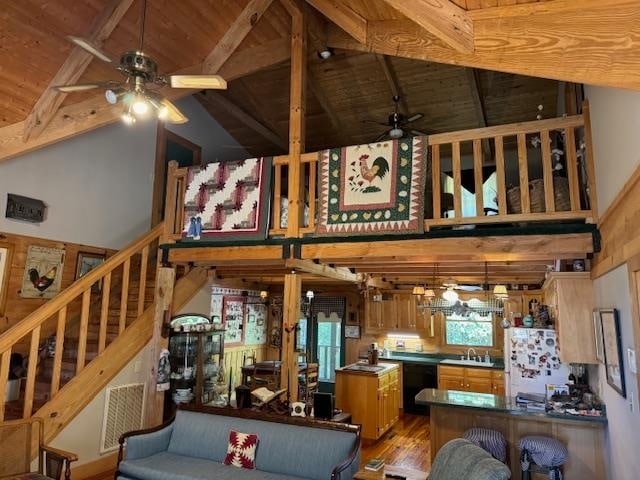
(407, 444)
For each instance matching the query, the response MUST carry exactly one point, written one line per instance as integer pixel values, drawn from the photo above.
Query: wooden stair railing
(105, 318)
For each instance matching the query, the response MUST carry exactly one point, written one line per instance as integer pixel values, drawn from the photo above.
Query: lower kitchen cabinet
(373, 400)
(480, 380)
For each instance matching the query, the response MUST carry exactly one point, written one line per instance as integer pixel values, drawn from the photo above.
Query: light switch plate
(631, 360)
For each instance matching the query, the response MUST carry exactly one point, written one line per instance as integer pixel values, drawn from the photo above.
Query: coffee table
(407, 473)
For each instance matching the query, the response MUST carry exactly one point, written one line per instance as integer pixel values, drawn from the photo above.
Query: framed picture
(597, 328)
(87, 262)
(612, 347)
(42, 272)
(352, 331)
(5, 270)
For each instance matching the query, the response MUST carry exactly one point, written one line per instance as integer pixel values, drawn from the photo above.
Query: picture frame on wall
(87, 261)
(597, 328)
(612, 347)
(352, 331)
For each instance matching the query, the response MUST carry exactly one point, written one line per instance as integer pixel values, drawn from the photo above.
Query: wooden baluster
(312, 193)
(143, 279)
(547, 171)
(57, 357)
(457, 179)
(477, 176)
(4, 378)
(572, 169)
(32, 366)
(124, 296)
(182, 188)
(501, 184)
(104, 312)
(523, 168)
(170, 202)
(84, 330)
(277, 196)
(435, 178)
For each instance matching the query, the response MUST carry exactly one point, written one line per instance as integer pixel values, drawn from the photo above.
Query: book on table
(374, 464)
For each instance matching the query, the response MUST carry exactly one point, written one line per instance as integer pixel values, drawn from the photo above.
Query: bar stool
(545, 452)
(489, 440)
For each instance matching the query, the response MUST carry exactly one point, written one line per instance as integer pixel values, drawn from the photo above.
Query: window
(473, 330)
(329, 346)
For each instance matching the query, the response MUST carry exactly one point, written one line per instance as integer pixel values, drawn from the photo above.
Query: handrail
(31, 321)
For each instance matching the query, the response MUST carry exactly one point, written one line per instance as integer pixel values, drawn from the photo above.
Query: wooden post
(165, 279)
(290, 317)
(297, 107)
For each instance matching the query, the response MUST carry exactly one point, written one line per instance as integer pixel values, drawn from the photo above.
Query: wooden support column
(297, 108)
(290, 317)
(165, 279)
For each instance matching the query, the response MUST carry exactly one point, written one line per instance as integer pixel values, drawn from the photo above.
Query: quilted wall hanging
(228, 200)
(372, 189)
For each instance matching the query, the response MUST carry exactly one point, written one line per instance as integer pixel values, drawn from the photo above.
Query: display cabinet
(197, 367)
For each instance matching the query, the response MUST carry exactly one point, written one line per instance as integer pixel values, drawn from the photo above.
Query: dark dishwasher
(415, 377)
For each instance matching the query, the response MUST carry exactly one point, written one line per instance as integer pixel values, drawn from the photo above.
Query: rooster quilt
(42, 272)
(228, 200)
(372, 189)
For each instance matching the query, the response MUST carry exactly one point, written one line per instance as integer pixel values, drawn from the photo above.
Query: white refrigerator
(532, 360)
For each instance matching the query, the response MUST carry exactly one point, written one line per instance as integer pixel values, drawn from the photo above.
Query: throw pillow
(241, 450)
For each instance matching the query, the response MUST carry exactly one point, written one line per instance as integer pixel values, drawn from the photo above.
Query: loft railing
(537, 171)
(111, 319)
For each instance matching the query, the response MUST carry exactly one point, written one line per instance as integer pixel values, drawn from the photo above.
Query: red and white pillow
(241, 450)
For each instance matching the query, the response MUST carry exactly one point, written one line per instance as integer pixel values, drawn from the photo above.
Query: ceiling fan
(452, 284)
(141, 72)
(397, 122)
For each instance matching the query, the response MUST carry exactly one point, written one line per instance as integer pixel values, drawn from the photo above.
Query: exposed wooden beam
(473, 79)
(210, 100)
(542, 39)
(442, 18)
(236, 33)
(308, 266)
(254, 59)
(72, 69)
(392, 80)
(343, 16)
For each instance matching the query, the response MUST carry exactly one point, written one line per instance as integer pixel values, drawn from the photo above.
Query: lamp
(418, 290)
(264, 294)
(430, 294)
(310, 295)
(450, 295)
(500, 291)
(325, 53)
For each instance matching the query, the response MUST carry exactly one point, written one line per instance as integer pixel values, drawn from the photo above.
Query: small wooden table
(408, 473)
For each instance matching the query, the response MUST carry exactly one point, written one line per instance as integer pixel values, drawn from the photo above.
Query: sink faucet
(475, 354)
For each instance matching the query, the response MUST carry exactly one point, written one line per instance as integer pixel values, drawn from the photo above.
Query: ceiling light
(326, 53)
(114, 94)
(140, 106)
(310, 294)
(396, 133)
(450, 295)
(128, 118)
(418, 290)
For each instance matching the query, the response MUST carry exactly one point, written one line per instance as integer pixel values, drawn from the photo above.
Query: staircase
(97, 332)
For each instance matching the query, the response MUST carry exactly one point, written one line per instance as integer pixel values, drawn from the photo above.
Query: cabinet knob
(468, 385)
(461, 384)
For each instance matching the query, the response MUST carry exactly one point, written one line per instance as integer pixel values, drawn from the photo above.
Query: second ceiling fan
(397, 123)
(136, 92)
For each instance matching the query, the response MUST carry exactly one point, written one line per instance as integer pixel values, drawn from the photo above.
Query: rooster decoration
(379, 168)
(41, 283)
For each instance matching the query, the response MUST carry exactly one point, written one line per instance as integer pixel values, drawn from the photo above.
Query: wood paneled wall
(234, 356)
(16, 307)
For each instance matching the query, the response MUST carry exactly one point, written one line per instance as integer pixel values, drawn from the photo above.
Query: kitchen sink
(364, 368)
(470, 363)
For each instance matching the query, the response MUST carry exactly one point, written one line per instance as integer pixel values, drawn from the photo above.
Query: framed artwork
(352, 331)
(612, 347)
(597, 328)
(5, 273)
(233, 319)
(87, 262)
(42, 272)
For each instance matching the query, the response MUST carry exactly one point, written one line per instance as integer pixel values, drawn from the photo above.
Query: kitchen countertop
(492, 403)
(435, 359)
(354, 368)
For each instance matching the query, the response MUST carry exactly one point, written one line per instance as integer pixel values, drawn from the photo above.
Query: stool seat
(544, 452)
(489, 440)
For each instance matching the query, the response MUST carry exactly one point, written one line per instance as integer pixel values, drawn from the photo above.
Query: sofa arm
(144, 443)
(348, 468)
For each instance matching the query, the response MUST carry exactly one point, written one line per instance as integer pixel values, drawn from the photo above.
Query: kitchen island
(453, 412)
(371, 394)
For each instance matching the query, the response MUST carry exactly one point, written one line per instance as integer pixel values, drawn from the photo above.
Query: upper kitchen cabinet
(382, 315)
(406, 311)
(569, 296)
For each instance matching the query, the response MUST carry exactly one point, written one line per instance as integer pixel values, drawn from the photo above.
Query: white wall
(615, 117)
(98, 186)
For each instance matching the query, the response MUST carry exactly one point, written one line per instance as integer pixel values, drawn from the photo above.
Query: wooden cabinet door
(389, 315)
(478, 380)
(406, 311)
(394, 404)
(381, 410)
(450, 383)
(497, 383)
(373, 316)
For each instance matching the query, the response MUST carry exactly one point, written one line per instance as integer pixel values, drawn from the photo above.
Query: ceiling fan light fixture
(128, 118)
(396, 133)
(113, 95)
(140, 105)
(450, 295)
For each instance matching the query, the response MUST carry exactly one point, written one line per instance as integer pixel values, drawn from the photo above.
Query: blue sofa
(193, 447)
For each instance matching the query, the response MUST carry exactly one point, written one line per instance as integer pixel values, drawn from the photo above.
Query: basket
(536, 196)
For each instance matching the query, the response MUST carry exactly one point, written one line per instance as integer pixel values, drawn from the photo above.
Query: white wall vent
(123, 412)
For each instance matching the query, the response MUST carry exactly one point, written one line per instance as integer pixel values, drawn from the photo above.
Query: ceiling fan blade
(200, 82)
(469, 288)
(375, 122)
(381, 136)
(76, 88)
(89, 47)
(174, 115)
(418, 133)
(414, 117)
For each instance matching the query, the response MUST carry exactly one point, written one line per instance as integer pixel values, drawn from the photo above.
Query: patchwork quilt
(372, 189)
(228, 200)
